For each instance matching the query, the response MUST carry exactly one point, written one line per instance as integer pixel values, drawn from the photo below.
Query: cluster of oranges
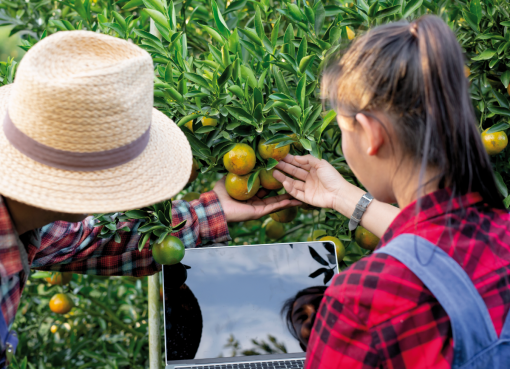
(60, 303)
(240, 162)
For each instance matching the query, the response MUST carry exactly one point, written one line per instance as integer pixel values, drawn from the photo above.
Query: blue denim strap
(471, 323)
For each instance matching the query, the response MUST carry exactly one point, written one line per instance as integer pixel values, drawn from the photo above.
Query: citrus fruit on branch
(274, 230)
(339, 246)
(268, 181)
(240, 160)
(271, 151)
(59, 278)
(494, 142)
(365, 239)
(237, 186)
(155, 228)
(285, 215)
(61, 303)
(169, 251)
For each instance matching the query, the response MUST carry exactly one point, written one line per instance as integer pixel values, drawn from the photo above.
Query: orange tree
(242, 72)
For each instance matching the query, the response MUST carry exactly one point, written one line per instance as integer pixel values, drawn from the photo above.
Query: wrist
(346, 198)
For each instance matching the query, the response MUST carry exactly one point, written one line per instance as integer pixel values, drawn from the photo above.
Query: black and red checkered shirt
(378, 314)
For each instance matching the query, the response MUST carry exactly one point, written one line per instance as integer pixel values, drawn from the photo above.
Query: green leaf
(295, 111)
(188, 118)
(373, 9)
(274, 34)
(80, 9)
(136, 214)
(199, 80)
(471, 19)
(251, 34)
(155, 5)
(205, 129)
(117, 28)
(225, 75)
(500, 111)
(505, 78)
(476, 9)
(287, 120)
(505, 23)
(306, 144)
(411, 7)
(500, 184)
(485, 55)
(175, 94)
(253, 177)
(302, 51)
(295, 12)
(327, 119)
(316, 112)
(41, 275)
(305, 62)
(236, 90)
(301, 92)
(240, 113)
(279, 137)
(506, 201)
(271, 163)
(503, 101)
(220, 22)
(259, 27)
(248, 75)
(501, 126)
(143, 240)
(159, 18)
(133, 4)
(169, 74)
(280, 82)
(147, 35)
(320, 15)
(212, 32)
(388, 11)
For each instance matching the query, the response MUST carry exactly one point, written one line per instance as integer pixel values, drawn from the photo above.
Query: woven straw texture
(85, 92)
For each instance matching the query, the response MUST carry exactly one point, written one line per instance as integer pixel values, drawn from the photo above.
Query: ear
(374, 132)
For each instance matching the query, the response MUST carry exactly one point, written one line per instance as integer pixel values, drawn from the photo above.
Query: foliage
(107, 329)
(255, 67)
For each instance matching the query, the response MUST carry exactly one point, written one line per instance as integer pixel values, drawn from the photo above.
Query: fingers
(292, 170)
(293, 187)
(306, 162)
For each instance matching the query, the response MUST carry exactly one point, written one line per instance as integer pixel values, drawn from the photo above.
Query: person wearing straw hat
(80, 136)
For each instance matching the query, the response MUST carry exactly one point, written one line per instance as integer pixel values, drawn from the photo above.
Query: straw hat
(80, 134)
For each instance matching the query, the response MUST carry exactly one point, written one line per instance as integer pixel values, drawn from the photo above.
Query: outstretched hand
(317, 183)
(254, 208)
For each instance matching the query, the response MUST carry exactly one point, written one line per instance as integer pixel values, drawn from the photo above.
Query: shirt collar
(13, 255)
(435, 204)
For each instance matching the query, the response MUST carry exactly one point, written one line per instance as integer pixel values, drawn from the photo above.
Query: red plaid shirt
(378, 314)
(75, 247)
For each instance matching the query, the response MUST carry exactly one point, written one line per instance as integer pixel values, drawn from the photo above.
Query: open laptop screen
(231, 302)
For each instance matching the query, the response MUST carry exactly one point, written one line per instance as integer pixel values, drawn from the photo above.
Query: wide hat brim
(160, 172)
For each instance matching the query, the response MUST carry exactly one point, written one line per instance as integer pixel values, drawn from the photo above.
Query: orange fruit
(237, 186)
(169, 251)
(316, 235)
(339, 246)
(467, 71)
(194, 171)
(53, 329)
(59, 278)
(189, 125)
(61, 303)
(209, 122)
(274, 230)
(350, 33)
(240, 160)
(495, 142)
(365, 239)
(285, 215)
(190, 196)
(268, 181)
(270, 151)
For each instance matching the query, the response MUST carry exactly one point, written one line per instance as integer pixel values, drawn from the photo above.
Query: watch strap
(361, 206)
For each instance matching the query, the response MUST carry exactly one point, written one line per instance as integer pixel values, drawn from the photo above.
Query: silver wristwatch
(361, 206)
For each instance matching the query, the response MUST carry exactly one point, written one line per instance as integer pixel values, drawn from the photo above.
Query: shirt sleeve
(76, 247)
(339, 339)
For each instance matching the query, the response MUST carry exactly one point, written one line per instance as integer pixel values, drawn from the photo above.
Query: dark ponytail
(414, 73)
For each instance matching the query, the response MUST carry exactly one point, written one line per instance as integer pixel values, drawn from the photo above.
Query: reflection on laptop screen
(231, 303)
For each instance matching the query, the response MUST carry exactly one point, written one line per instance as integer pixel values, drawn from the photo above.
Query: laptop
(228, 307)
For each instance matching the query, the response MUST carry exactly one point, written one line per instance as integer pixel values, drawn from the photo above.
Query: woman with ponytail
(435, 293)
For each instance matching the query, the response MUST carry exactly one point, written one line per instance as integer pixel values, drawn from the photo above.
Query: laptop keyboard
(284, 364)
